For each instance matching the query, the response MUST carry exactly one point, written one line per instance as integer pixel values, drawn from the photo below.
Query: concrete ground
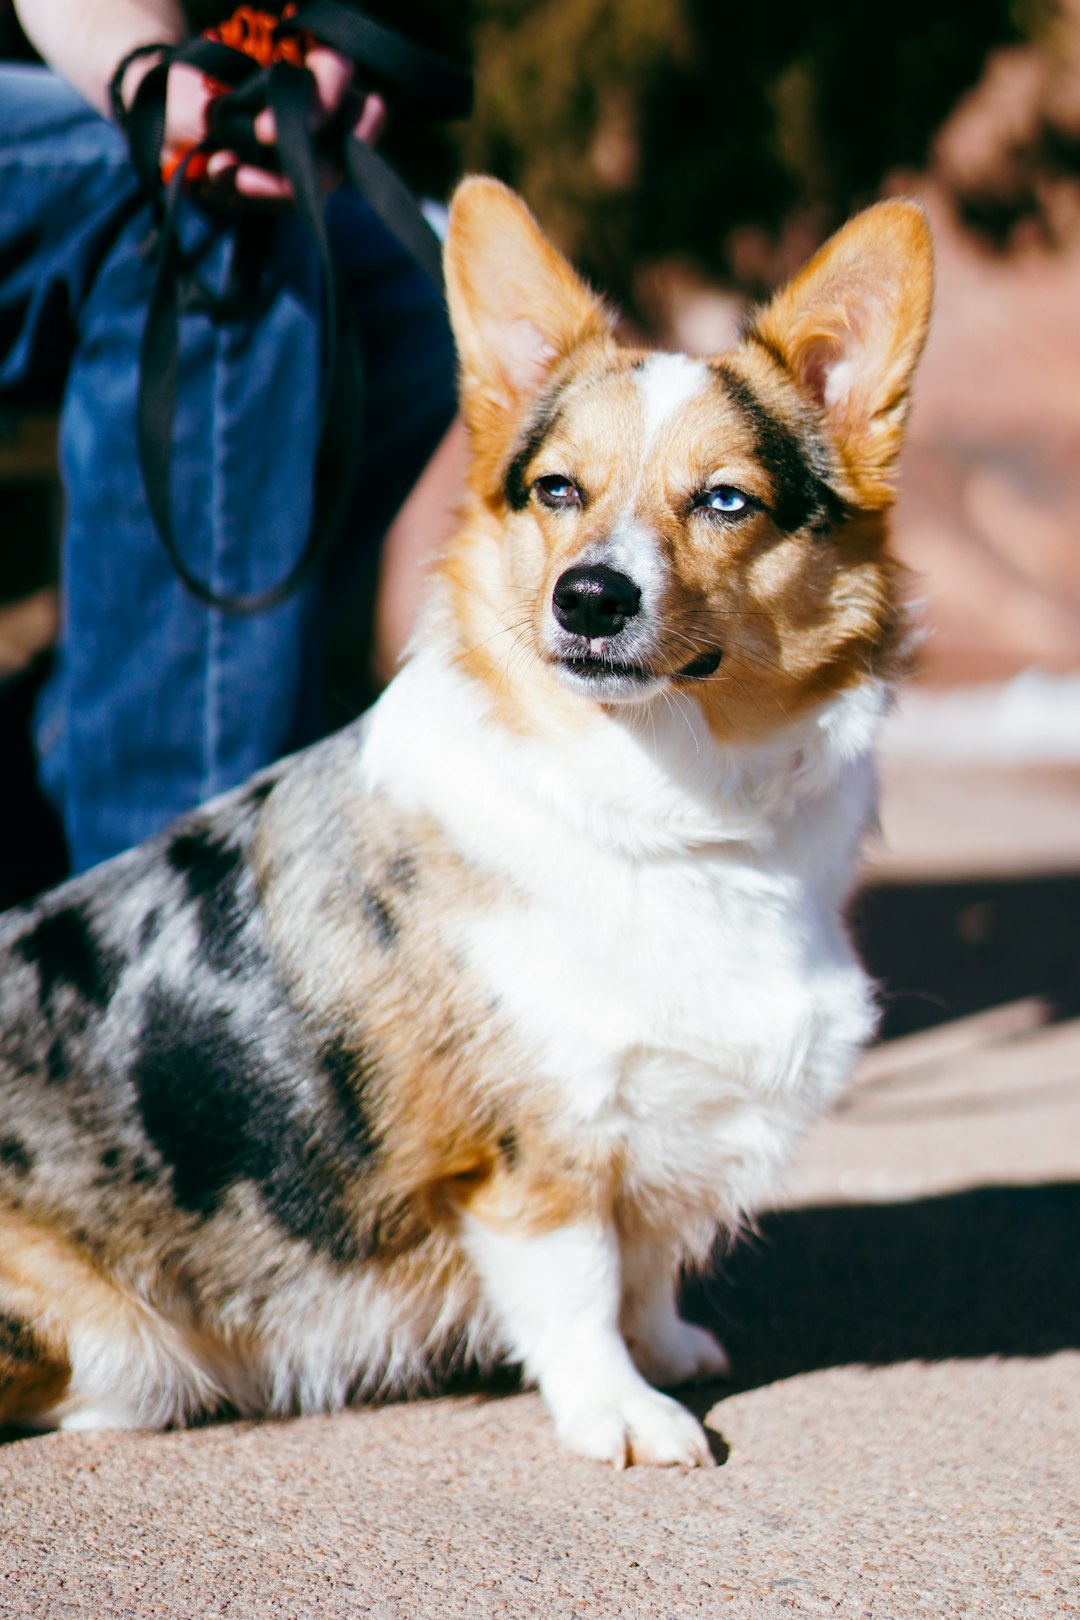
(902, 1436)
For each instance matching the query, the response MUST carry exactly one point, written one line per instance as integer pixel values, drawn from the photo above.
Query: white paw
(684, 1354)
(108, 1415)
(641, 1427)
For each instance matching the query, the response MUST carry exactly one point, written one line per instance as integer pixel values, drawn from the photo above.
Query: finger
(187, 97)
(250, 181)
(221, 164)
(332, 73)
(372, 121)
(229, 174)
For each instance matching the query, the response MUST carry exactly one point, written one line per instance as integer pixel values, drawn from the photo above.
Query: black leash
(413, 81)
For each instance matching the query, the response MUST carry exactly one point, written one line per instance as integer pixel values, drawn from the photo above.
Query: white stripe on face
(666, 382)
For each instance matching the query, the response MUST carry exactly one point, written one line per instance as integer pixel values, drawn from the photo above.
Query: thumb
(187, 97)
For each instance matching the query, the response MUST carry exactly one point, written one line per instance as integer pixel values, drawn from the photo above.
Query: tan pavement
(902, 1438)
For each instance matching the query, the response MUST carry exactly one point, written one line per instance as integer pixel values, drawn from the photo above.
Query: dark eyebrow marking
(802, 498)
(543, 422)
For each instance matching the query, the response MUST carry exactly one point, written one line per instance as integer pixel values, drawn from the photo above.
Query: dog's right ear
(516, 306)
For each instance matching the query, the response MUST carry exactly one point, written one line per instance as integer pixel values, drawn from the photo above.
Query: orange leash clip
(251, 32)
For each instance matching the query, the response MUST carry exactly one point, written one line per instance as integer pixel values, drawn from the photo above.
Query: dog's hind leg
(74, 1348)
(33, 1377)
(35, 1372)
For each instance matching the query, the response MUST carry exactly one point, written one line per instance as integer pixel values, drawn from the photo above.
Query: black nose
(594, 601)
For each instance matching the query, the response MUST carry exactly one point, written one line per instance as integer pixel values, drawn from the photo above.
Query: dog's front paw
(641, 1427)
(683, 1354)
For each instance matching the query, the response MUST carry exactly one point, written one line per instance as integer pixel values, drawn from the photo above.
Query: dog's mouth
(595, 667)
(597, 612)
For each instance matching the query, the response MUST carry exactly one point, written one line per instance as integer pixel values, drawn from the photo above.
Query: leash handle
(426, 85)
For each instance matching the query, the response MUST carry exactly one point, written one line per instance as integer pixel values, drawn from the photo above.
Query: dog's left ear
(849, 330)
(516, 306)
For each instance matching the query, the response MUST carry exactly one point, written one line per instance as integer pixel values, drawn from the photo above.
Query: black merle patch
(63, 949)
(17, 1342)
(141, 1172)
(113, 1167)
(56, 1064)
(15, 1154)
(350, 1072)
(401, 873)
(219, 1112)
(150, 928)
(801, 499)
(215, 876)
(380, 913)
(258, 794)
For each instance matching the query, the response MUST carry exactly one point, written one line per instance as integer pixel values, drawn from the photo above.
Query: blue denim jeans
(157, 702)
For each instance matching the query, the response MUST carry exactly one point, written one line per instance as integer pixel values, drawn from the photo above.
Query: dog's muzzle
(592, 605)
(603, 641)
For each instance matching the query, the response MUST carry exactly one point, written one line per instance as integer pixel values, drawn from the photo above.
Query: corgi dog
(459, 1034)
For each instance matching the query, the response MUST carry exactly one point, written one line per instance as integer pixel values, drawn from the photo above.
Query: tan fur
(800, 616)
(46, 1285)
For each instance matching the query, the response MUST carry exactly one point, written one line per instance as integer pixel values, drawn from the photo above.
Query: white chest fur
(668, 943)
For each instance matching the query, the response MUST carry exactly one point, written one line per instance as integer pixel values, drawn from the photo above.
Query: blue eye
(557, 492)
(724, 499)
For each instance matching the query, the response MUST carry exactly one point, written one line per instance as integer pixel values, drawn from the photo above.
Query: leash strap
(413, 80)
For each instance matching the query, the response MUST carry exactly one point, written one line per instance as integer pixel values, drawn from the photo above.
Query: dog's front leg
(556, 1295)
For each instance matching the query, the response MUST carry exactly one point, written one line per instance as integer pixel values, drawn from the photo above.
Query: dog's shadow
(991, 1272)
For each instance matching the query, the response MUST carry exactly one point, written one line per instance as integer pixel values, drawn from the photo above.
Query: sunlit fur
(457, 1036)
(803, 597)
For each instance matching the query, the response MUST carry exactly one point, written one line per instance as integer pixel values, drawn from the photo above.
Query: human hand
(187, 107)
